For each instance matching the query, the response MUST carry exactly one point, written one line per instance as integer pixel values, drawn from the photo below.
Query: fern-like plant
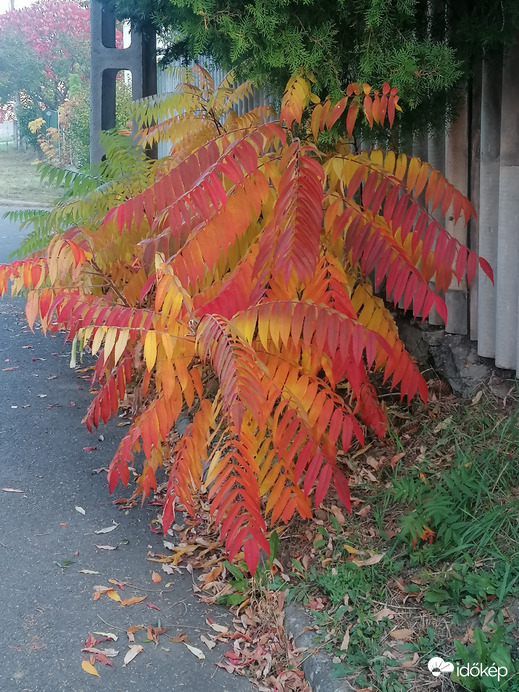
(239, 285)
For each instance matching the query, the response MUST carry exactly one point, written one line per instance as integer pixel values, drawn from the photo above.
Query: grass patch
(428, 562)
(20, 181)
(443, 524)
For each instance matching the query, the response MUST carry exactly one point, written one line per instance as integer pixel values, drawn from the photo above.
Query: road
(46, 605)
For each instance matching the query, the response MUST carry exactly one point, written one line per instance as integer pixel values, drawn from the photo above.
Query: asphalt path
(46, 605)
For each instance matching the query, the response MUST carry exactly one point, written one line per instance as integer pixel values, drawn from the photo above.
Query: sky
(18, 4)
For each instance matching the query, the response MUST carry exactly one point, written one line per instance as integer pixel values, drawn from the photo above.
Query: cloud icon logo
(437, 666)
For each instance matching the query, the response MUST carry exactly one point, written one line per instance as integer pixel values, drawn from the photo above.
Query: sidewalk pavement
(46, 605)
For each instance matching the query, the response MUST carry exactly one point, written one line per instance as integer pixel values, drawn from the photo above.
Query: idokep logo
(438, 667)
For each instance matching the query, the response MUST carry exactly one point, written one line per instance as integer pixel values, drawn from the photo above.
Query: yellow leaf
(150, 349)
(89, 668)
(352, 551)
(111, 336)
(111, 593)
(124, 335)
(98, 340)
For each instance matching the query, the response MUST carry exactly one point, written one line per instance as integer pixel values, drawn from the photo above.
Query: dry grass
(20, 180)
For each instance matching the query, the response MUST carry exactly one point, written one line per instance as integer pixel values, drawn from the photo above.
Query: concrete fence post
(106, 60)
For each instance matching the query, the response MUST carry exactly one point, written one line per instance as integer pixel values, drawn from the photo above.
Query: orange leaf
(155, 576)
(132, 601)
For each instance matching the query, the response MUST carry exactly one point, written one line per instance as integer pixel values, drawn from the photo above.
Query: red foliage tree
(40, 47)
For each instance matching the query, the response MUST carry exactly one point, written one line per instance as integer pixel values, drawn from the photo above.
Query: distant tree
(41, 47)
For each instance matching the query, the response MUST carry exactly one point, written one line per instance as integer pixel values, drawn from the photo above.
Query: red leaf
(251, 554)
(343, 489)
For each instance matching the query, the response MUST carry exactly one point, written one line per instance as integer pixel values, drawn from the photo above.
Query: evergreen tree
(405, 42)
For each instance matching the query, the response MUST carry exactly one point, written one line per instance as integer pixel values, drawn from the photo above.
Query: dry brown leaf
(133, 651)
(179, 638)
(385, 613)
(216, 627)
(372, 560)
(89, 668)
(410, 663)
(210, 643)
(130, 632)
(341, 519)
(120, 584)
(402, 635)
(213, 574)
(346, 639)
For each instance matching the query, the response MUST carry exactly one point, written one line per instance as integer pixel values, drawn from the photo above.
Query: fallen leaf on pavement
(179, 638)
(108, 590)
(87, 571)
(89, 449)
(120, 584)
(196, 652)
(107, 529)
(112, 593)
(152, 605)
(106, 547)
(133, 600)
(16, 367)
(155, 577)
(216, 627)
(133, 651)
(131, 631)
(210, 643)
(89, 668)
(80, 510)
(152, 633)
(108, 635)
(103, 659)
(12, 490)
